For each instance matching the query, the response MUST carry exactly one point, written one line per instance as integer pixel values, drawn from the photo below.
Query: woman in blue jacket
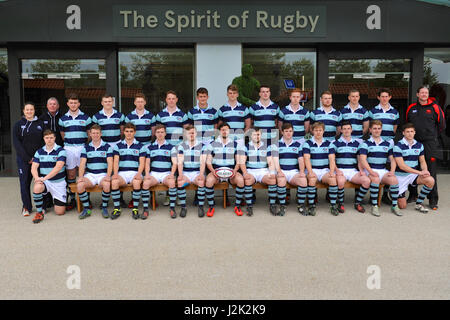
(27, 138)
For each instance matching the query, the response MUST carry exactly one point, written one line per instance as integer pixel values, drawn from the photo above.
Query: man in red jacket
(429, 121)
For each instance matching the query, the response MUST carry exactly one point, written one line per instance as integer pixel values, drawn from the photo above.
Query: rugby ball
(224, 173)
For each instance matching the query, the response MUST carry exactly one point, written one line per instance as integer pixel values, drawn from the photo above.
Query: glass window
(45, 78)
(367, 76)
(283, 69)
(153, 72)
(437, 77)
(5, 123)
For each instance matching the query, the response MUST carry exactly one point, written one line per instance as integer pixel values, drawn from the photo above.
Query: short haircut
(318, 124)
(295, 90)
(190, 127)
(223, 124)
(263, 86)
(48, 132)
(254, 128)
(286, 125)
(326, 92)
(140, 95)
(73, 96)
(202, 91)
(232, 87)
(160, 126)
(129, 125)
(408, 125)
(346, 123)
(171, 92)
(381, 90)
(29, 103)
(106, 96)
(53, 99)
(423, 87)
(353, 91)
(375, 123)
(96, 127)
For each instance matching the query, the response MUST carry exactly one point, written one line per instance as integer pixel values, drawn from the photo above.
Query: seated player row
(301, 165)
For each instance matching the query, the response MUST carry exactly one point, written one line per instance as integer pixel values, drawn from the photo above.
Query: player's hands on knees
(424, 173)
(247, 176)
(138, 176)
(339, 173)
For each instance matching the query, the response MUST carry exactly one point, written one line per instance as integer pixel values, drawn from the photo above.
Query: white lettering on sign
(374, 20)
(374, 280)
(73, 22)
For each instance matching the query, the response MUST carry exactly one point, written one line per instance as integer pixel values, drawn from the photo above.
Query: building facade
(50, 48)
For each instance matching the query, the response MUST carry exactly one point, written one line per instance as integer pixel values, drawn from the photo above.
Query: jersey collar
(259, 104)
(323, 110)
(289, 107)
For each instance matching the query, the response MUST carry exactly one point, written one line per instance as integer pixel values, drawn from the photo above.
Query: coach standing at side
(429, 121)
(50, 118)
(27, 138)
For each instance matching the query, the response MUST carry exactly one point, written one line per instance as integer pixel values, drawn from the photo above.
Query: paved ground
(226, 257)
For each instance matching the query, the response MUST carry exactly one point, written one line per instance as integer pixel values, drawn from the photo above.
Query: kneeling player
(373, 154)
(129, 162)
(257, 166)
(96, 165)
(223, 152)
(191, 163)
(49, 173)
(347, 167)
(316, 153)
(408, 155)
(288, 159)
(160, 167)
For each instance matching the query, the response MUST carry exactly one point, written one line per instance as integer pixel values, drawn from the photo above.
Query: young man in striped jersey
(412, 168)
(191, 162)
(385, 113)
(223, 152)
(264, 114)
(74, 127)
(347, 166)
(143, 119)
(174, 120)
(329, 116)
(110, 121)
(49, 173)
(356, 115)
(296, 115)
(203, 117)
(160, 167)
(257, 166)
(235, 115)
(373, 155)
(317, 156)
(290, 167)
(96, 167)
(129, 162)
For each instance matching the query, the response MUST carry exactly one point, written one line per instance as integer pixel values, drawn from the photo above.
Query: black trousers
(25, 178)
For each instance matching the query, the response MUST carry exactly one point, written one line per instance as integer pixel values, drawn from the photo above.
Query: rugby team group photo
(280, 147)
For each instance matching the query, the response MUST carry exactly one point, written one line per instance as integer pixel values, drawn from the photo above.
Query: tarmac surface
(226, 256)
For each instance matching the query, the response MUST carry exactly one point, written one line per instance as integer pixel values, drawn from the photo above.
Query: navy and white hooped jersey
(143, 125)
(257, 156)
(377, 154)
(265, 118)
(110, 125)
(75, 129)
(174, 124)
(161, 156)
(97, 158)
(410, 155)
(288, 154)
(47, 161)
(346, 153)
(204, 121)
(297, 119)
(129, 155)
(331, 120)
(356, 118)
(389, 118)
(223, 155)
(235, 117)
(318, 153)
(191, 155)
